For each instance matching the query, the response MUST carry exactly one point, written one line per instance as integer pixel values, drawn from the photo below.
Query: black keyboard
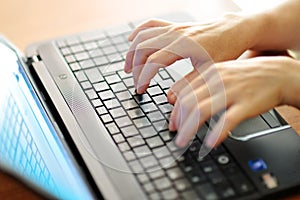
(138, 125)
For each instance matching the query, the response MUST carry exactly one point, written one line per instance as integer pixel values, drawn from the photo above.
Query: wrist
(291, 90)
(259, 27)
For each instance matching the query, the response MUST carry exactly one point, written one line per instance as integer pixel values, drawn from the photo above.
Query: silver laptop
(73, 128)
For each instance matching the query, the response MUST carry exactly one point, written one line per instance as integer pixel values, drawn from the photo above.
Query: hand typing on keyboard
(244, 88)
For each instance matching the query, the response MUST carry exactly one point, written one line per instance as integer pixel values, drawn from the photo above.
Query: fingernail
(172, 98)
(172, 125)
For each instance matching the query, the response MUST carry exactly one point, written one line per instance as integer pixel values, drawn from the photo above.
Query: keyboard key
(117, 112)
(70, 59)
(216, 177)
(135, 141)
(142, 151)
(196, 176)
(134, 113)
(86, 64)
(160, 99)
(129, 104)
(148, 107)
(109, 49)
(162, 183)
(170, 194)
(123, 47)
(123, 146)
(129, 131)
(142, 98)
(182, 184)
(148, 132)
(163, 74)
(149, 161)
(101, 110)
(207, 191)
(80, 76)
(167, 135)
(125, 95)
(208, 166)
(75, 66)
(129, 155)
(190, 194)
(118, 138)
(129, 82)
(106, 95)
(155, 116)
(141, 122)
(81, 56)
(225, 190)
(154, 142)
(166, 108)
(96, 103)
(161, 152)
(112, 67)
(167, 162)
(115, 57)
(143, 178)
(123, 121)
(118, 87)
(112, 79)
(93, 75)
(161, 125)
(195, 146)
(222, 159)
(86, 85)
(241, 184)
(99, 61)
(136, 166)
(112, 103)
(101, 86)
(112, 128)
(152, 91)
(90, 45)
(165, 84)
(124, 75)
(156, 173)
(149, 187)
(175, 173)
(91, 94)
(106, 118)
(96, 55)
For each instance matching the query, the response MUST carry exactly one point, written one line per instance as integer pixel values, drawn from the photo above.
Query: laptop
(72, 127)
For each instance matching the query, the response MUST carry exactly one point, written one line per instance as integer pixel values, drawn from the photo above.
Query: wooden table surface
(27, 21)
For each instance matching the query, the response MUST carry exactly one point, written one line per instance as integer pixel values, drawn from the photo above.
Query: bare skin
(229, 84)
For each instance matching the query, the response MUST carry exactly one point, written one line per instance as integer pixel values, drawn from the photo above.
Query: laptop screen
(29, 145)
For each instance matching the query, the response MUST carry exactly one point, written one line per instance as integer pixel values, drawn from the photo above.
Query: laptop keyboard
(138, 124)
(18, 148)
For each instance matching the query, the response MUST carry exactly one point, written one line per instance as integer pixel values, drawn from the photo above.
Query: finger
(188, 95)
(179, 85)
(146, 25)
(142, 36)
(228, 121)
(157, 60)
(201, 113)
(194, 78)
(146, 52)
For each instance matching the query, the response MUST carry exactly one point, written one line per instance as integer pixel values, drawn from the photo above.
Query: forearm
(281, 27)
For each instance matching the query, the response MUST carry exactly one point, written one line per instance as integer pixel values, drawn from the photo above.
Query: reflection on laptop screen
(29, 145)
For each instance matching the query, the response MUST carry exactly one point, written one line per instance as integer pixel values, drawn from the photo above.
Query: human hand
(157, 44)
(243, 88)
